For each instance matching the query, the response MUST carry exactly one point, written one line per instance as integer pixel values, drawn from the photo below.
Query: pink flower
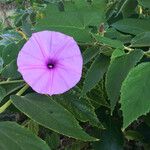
(50, 62)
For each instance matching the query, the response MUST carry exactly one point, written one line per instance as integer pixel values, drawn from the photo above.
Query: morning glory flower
(50, 62)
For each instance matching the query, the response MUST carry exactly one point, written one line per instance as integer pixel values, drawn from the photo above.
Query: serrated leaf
(132, 26)
(50, 114)
(75, 19)
(98, 96)
(117, 72)
(15, 137)
(135, 94)
(141, 40)
(95, 73)
(81, 108)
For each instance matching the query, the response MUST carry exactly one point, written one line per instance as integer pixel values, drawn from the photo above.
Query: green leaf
(33, 126)
(10, 71)
(116, 53)
(1, 49)
(9, 88)
(117, 72)
(77, 145)
(10, 52)
(1, 63)
(135, 94)
(132, 26)
(147, 119)
(98, 96)
(10, 36)
(50, 114)
(15, 137)
(112, 33)
(133, 135)
(111, 138)
(75, 19)
(81, 108)
(53, 140)
(141, 40)
(2, 93)
(129, 8)
(144, 129)
(90, 53)
(95, 73)
(108, 41)
(144, 3)
(26, 27)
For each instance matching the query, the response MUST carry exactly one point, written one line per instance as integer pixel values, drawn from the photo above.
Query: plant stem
(22, 34)
(121, 8)
(147, 54)
(8, 103)
(128, 48)
(8, 81)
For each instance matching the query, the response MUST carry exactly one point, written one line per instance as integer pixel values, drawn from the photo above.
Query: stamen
(50, 66)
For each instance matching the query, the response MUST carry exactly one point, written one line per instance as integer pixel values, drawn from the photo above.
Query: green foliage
(81, 108)
(9, 37)
(144, 3)
(53, 140)
(95, 73)
(74, 19)
(50, 114)
(110, 103)
(90, 53)
(132, 26)
(118, 69)
(10, 71)
(10, 52)
(134, 94)
(141, 40)
(112, 137)
(108, 42)
(8, 88)
(98, 96)
(19, 138)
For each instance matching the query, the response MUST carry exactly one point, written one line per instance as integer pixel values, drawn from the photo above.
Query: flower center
(50, 65)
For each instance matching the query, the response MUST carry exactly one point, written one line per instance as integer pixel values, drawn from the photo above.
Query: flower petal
(48, 47)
